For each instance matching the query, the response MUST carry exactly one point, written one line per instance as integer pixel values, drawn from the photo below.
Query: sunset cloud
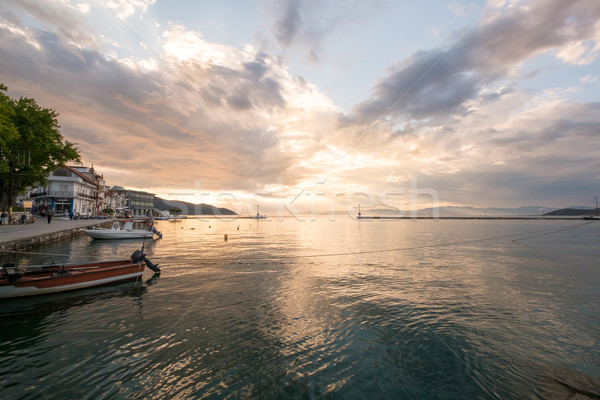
(186, 113)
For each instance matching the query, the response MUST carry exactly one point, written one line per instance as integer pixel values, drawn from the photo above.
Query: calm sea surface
(470, 309)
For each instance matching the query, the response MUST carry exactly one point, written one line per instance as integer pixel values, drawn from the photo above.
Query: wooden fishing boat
(54, 278)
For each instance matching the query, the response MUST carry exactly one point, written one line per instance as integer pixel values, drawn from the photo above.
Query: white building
(116, 199)
(71, 189)
(100, 189)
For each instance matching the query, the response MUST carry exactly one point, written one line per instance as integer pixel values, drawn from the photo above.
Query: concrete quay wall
(22, 237)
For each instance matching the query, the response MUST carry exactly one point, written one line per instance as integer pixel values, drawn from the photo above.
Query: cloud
(196, 114)
(63, 19)
(578, 53)
(288, 25)
(204, 112)
(457, 9)
(589, 79)
(443, 80)
(124, 9)
(447, 117)
(515, 151)
(308, 25)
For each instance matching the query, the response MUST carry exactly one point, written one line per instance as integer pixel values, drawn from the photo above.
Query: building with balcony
(116, 199)
(99, 191)
(130, 203)
(141, 204)
(70, 189)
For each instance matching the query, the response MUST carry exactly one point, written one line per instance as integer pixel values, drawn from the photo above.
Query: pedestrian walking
(49, 215)
(3, 218)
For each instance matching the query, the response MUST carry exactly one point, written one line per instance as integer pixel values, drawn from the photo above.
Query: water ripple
(237, 319)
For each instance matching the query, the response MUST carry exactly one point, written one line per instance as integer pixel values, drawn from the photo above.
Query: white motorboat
(125, 232)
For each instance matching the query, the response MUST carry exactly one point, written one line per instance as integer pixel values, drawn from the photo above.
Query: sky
(321, 105)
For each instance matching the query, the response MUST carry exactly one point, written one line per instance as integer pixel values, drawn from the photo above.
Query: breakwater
(511, 217)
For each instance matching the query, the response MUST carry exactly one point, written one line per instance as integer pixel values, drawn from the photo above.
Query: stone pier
(21, 237)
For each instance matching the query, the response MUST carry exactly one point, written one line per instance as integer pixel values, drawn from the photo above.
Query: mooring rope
(554, 231)
(531, 235)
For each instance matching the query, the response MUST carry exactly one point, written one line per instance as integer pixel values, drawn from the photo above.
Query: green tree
(31, 145)
(8, 130)
(175, 210)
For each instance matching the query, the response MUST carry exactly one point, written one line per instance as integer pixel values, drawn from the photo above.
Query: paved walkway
(9, 233)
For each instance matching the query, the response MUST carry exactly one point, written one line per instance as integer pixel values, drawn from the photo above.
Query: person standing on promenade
(3, 216)
(49, 214)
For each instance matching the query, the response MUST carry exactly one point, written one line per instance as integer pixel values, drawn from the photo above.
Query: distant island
(191, 208)
(461, 211)
(444, 212)
(573, 212)
(473, 212)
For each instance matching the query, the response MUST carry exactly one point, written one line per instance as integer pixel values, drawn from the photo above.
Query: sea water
(316, 308)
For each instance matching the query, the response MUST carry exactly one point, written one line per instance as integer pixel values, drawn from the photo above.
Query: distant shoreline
(512, 217)
(409, 217)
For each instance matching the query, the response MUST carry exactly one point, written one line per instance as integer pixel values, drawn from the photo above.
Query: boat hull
(110, 234)
(60, 278)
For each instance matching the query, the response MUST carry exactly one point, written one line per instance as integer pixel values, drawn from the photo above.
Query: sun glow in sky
(488, 104)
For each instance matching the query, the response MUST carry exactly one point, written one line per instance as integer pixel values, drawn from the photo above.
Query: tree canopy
(31, 145)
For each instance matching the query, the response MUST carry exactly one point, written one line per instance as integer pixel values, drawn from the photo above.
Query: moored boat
(54, 278)
(125, 232)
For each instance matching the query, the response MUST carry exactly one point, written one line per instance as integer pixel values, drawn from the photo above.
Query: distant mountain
(572, 211)
(453, 211)
(191, 208)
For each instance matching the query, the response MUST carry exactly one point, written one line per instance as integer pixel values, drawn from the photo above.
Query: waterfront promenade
(22, 236)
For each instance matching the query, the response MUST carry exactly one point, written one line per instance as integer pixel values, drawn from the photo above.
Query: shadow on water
(52, 335)
(26, 318)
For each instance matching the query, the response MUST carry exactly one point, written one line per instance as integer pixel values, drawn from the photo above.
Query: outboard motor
(156, 232)
(139, 256)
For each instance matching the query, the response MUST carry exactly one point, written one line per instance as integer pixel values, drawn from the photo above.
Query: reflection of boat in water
(27, 319)
(126, 232)
(54, 278)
